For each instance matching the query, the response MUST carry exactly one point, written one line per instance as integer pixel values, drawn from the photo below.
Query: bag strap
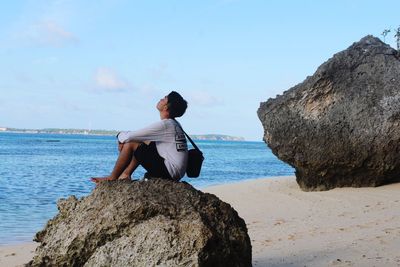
(190, 139)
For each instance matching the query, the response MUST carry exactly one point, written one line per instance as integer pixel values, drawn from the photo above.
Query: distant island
(217, 137)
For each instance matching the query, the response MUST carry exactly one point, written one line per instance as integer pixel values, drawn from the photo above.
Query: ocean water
(38, 169)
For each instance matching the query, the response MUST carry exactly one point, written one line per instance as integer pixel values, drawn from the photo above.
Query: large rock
(147, 223)
(340, 127)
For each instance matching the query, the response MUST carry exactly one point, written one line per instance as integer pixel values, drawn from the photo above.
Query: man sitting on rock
(160, 148)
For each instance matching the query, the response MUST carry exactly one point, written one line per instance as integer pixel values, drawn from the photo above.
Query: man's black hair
(176, 105)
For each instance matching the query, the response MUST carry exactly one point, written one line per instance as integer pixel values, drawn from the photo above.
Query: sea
(38, 169)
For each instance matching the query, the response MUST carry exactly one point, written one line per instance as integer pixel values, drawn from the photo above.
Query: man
(160, 148)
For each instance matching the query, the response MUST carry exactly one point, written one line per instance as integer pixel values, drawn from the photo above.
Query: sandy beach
(340, 227)
(16, 255)
(289, 227)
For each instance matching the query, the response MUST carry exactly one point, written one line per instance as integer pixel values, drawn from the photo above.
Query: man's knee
(132, 145)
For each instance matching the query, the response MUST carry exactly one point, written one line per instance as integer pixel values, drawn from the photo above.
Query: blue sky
(104, 64)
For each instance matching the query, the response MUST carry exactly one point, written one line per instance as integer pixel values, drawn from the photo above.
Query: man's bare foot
(124, 177)
(101, 179)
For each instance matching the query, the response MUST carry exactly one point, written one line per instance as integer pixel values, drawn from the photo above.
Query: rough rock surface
(341, 126)
(146, 223)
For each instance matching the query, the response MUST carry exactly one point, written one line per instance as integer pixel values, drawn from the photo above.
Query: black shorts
(151, 161)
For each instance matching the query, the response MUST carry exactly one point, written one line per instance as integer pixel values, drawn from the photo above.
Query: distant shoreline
(206, 137)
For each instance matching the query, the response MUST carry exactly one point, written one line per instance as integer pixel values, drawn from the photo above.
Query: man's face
(162, 103)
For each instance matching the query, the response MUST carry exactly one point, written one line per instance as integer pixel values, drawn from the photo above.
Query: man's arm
(153, 132)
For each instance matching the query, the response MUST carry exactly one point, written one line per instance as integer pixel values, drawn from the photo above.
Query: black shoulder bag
(195, 158)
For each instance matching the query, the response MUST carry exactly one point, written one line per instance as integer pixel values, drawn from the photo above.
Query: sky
(105, 64)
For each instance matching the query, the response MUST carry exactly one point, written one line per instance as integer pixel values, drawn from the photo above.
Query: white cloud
(46, 33)
(107, 79)
(42, 22)
(203, 98)
(55, 34)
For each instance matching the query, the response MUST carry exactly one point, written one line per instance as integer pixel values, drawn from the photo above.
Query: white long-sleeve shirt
(170, 143)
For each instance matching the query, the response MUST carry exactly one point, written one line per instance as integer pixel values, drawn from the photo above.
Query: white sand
(16, 255)
(340, 227)
(289, 227)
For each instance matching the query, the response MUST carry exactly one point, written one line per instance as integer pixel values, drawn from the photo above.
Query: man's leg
(125, 161)
(127, 173)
